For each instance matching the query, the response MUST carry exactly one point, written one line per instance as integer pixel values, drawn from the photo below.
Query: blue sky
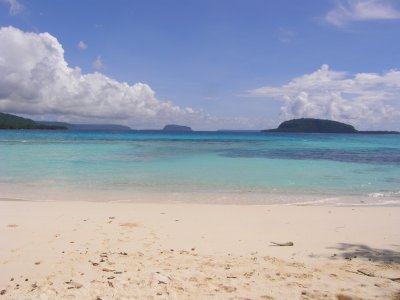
(215, 57)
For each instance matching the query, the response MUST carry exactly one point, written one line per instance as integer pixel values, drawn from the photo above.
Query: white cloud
(366, 99)
(35, 80)
(82, 45)
(347, 11)
(15, 7)
(98, 63)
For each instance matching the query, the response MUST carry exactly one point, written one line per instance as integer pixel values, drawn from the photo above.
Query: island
(176, 128)
(13, 122)
(310, 125)
(87, 127)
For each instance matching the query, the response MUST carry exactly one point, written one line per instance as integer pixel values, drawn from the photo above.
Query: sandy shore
(86, 250)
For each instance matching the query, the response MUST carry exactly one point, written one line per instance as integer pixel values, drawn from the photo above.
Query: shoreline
(48, 192)
(88, 249)
(174, 202)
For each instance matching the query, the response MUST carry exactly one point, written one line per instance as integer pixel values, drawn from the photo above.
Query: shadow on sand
(350, 251)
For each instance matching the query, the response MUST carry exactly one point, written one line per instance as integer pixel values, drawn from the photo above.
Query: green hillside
(8, 121)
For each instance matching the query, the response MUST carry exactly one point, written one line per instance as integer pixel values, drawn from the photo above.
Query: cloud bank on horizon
(365, 99)
(36, 80)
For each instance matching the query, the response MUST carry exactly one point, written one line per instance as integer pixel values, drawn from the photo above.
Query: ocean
(231, 167)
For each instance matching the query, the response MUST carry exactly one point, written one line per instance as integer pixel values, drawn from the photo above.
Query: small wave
(322, 201)
(384, 194)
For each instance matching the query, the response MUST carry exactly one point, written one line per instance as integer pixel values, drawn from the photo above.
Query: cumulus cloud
(367, 99)
(36, 80)
(15, 7)
(82, 45)
(347, 11)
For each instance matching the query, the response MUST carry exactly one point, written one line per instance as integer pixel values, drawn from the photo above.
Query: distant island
(8, 121)
(176, 128)
(309, 125)
(87, 127)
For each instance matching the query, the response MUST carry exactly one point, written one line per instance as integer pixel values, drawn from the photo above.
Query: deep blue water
(329, 164)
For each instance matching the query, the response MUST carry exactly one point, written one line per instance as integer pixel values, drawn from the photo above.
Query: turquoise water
(260, 163)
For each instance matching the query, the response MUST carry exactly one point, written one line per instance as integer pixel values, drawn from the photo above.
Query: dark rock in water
(9, 121)
(175, 128)
(309, 125)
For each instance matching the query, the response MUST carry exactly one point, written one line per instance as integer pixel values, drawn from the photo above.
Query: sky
(209, 64)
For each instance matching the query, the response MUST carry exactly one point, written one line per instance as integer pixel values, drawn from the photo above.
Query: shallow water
(314, 167)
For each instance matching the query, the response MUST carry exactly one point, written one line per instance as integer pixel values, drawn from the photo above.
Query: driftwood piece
(370, 274)
(282, 244)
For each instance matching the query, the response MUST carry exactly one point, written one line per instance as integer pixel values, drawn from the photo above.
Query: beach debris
(107, 270)
(37, 263)
(366, 272)
(110, 284)
(73, 284)
(282, 244)
(2, 292)
(159, 278)
(229, 289)
(12, 279)
(343, 297)
(123, 253)
(128, 224)
(12, 225)
(231, 277)
(111, 218)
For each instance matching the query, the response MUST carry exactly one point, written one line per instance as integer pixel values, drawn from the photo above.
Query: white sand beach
(94, 250)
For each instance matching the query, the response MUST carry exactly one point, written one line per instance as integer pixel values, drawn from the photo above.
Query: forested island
(87, 127)
(8, 121)
(176, 128)
(309, 125)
